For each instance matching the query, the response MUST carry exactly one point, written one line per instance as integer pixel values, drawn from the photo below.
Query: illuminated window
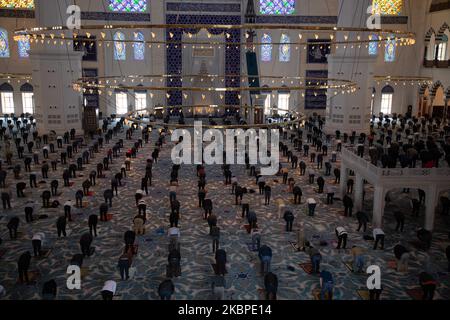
(120, 51)
(23, 46)
(283, 103)
(387, 7)
(267, 105)
(278, 7)
(17, 4)
(373, 46)
(121, 103)
(140, 100)
(442, 49)
(387, 95)
(7, 102)
(139, 46)
(285, 48)
(389, 54)
(4, 44)
(266, 48)
(27, 102)
(128, 5)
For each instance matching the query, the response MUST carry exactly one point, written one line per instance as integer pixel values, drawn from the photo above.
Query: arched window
(128, 5)
(266, 48)
(267, 101)
(7, 98)
(285, 48)
(23, 46)
(278, 7)
(387, 7)
(441, 50)
(4, 44)
(139, 46)
(283, 100)
(27, 98)
(387, 95)
(389, 54)
(373, 45)
(121, 102)
(120, 50)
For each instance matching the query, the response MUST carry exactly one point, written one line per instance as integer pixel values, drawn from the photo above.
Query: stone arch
(435, 88)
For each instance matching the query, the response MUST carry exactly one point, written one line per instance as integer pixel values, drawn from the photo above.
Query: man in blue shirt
(326, 284)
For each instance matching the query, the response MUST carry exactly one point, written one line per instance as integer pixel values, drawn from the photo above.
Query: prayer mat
(294, 246)
(84, 272)
(250, 247)
(44, 254)
(316, 294)
(90, 193)
(214, 266)
(307, 267)
(392, 264)
(364, 294)
(33, 276)
(415, 293)
(247, 227)
(349, 265)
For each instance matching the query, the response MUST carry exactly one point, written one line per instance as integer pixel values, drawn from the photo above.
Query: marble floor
(244, 280)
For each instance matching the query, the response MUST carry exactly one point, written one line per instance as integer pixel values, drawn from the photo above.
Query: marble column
(58, 107)
(378, 207)
(344, 179)
(430, 206)
(359, 190)
(351, 111)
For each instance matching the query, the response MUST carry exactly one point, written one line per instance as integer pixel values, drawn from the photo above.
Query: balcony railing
(350, 156)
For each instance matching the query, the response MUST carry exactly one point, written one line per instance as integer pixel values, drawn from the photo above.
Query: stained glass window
(266, 48)
(285, 48)
(128, 5)
(120, 51)
(4, 44)
(17, 4)
(23, 47)
(387, 7)
(389, 55)
(139, 46)
(279, 7)
(373, 46)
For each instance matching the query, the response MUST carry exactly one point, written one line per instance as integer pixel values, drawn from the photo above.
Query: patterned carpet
(243, 279)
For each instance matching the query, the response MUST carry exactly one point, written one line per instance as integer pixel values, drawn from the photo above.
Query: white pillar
(378, 207)
(55, 67)
(344, 179)
(359, 190)
(351, 112)
(430, 206)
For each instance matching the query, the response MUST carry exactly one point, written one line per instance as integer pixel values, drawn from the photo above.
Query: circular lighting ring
(213, 106)
(15, 76)
(310, 83)
(403, 79)
(41, 33)
(299, 118)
